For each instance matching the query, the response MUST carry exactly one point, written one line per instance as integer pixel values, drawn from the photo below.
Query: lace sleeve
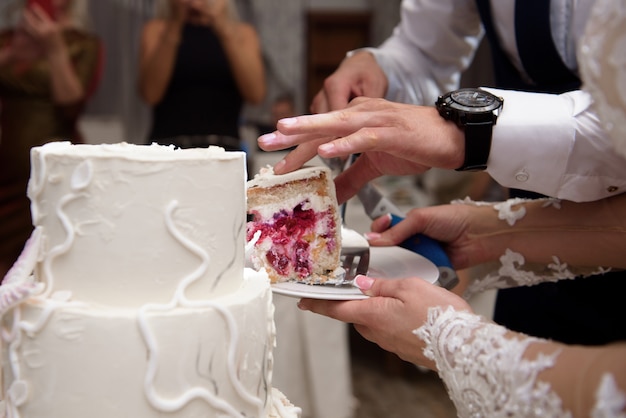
(602, 60)
(512, 270)
(487, 373)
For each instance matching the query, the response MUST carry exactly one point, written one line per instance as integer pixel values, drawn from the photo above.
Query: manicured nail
(363, 282)
(267, 139)
(371, 235)
(288, 121)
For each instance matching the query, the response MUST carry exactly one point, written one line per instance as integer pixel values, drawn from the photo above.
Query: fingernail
(267, 139)
(302, 305)
(363, 282)
(371, 235)
(329, 147)
(288, 121)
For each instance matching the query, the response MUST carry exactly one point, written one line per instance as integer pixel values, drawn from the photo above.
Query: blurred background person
(49, 67)
(199, 64)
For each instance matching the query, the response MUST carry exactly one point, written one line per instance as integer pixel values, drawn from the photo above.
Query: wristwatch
(475, 111)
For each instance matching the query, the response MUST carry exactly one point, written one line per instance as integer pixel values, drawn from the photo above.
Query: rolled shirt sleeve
(554, 145)
(433, 43)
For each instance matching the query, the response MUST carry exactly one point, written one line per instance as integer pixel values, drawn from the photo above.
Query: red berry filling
(291, 234)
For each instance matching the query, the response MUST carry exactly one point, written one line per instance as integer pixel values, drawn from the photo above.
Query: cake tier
(69, 359)
(123, 224)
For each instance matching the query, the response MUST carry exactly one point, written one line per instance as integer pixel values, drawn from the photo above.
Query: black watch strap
(477, 145)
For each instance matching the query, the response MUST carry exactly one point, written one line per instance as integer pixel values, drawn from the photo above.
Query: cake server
(376, 205)
(355, 261)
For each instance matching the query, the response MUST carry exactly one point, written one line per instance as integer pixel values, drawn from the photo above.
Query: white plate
(385, 262)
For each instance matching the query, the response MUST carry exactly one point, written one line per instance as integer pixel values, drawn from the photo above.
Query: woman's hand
(392, 138)
(394, 310)
(201, 12)
(36, 36)
(45, 33)
(470, 234)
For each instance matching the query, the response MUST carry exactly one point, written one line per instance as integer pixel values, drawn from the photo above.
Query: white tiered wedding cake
(138, 304)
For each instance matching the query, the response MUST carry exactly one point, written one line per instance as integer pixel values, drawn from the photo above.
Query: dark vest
(580, 311)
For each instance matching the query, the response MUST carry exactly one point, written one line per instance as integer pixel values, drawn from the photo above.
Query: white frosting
(207, 359)
(267, 178)
(92, 201)
(139, 304)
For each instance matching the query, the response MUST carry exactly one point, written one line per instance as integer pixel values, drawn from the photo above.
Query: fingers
(276, 141)
(384, 236)
(37, 20)
(354, 178)
(345, 311)
(320, 103)
(296, 158)
(347, 187)
(336, 123)
(335, 94)
(382, 292)
(395, 289)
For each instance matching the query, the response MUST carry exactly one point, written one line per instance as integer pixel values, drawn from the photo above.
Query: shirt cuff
(532, 141)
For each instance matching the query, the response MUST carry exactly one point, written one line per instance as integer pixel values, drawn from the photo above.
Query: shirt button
(612, 189)
(521, 176)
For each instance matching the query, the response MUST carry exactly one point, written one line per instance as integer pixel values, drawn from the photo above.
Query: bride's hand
(463, 230)
(393, 311)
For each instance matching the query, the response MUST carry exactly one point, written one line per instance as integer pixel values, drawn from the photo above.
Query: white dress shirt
(551, 144)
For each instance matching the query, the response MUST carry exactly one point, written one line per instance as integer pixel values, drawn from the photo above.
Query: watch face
(474, 101)
(469, 106)
(473, 98)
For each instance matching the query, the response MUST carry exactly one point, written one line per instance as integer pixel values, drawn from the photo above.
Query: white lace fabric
(487, 375)
(512, 270)
(484, 365)
(602, 60)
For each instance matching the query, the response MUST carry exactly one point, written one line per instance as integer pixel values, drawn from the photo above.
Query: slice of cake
(295, 227)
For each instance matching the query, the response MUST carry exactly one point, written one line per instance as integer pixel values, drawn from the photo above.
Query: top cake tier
(126, 225)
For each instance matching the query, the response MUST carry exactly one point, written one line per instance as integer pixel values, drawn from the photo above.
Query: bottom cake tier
(67, 359)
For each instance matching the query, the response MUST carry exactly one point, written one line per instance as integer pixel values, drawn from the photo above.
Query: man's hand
(358, 75)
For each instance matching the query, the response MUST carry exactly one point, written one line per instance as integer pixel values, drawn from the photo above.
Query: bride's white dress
(473, 355)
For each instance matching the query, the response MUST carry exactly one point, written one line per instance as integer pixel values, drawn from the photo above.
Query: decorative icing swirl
(179, 299)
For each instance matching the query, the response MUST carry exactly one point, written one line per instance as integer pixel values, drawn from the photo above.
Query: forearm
(65, 84)
(242, 49)
(507, 371)
(157, 62)
(579, 376)
(588, 234)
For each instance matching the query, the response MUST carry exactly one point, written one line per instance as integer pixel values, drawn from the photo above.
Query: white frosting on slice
(267, 178)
